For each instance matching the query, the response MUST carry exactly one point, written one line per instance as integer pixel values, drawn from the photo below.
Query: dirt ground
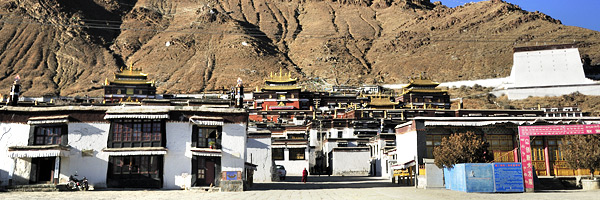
(334, 187)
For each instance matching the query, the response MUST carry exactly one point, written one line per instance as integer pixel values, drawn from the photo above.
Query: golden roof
(421, 81)
(424, 90)
(132, 82)
(129, 76)
(382, 101)
(282, 87)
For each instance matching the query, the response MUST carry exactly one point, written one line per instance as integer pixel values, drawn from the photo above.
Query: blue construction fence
(485, 177)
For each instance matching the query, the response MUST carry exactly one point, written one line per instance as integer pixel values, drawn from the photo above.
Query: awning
(405, 165)
(136, 116)
(38, 153)
(135, 151)
(208, 154)
(290, 146)
(59, 119)
(207, 121)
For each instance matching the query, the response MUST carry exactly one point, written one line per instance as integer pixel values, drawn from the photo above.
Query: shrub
(461, 148)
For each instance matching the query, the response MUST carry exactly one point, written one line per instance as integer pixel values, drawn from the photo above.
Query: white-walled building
(258, 152)
(113, 146)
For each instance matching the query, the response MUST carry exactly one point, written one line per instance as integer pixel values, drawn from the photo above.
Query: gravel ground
(318, 188)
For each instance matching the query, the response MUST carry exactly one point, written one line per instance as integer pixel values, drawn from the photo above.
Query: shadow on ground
(324, 182)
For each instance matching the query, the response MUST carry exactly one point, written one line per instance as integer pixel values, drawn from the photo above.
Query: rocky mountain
(66, 47)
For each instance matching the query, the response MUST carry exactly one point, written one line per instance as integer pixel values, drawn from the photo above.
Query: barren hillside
(69, 47)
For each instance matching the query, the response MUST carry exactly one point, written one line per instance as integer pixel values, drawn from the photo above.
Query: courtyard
(324, 187)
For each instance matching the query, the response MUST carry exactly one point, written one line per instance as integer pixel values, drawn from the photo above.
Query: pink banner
(559, 130)
(525, 145)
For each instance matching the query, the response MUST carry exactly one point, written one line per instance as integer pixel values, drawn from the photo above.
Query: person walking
(304, 175)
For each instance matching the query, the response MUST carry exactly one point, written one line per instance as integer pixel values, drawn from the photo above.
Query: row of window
(294, 154)
(141, 165)
(136, 131)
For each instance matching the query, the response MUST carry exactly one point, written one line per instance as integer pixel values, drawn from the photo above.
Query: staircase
(32, 188)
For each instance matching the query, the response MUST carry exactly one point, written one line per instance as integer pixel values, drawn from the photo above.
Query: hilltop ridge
(64, 47)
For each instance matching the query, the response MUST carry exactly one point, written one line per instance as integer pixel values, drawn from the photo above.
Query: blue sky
(582, 13)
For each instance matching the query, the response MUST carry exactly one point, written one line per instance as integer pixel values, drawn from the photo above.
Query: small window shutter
(194, 170)
(163, 133)
(31, 135)
(64, 135)
(194, 136)
(109, 142)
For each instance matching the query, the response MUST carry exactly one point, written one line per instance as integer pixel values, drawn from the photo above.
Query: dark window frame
(38, 134)
(297, 153)
(203, 135)
(137, 133)
(278, 153)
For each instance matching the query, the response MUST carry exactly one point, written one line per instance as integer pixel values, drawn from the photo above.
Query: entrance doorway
(42, 170)
(206, 170)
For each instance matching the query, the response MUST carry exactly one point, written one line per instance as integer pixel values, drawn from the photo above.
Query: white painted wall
(513, 93)
(86, 136)
(11, 134)
(406, 146)
(294, 167)
(351, 163)
(233, 147)
(178, 160)
(258, 152)
(548, 67)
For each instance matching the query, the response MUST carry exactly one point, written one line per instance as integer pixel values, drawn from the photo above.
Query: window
(201, 168)
(136, 133)
(500, 142)
(206, 137)
(277, 153)
(340, 134)
(135, 165)
(297, 154)
(433, 141)
(48, 135)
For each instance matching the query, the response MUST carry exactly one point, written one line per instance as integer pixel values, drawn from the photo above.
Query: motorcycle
(76, 184)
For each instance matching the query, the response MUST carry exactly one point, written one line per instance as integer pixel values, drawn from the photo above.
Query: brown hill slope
(188, 46)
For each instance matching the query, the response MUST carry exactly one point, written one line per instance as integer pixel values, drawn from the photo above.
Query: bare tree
(461, 148)
(582, 152)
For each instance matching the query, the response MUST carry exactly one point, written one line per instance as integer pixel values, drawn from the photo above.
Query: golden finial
(280, 72)
(271, 74)
(105, 81)
(257, 89)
